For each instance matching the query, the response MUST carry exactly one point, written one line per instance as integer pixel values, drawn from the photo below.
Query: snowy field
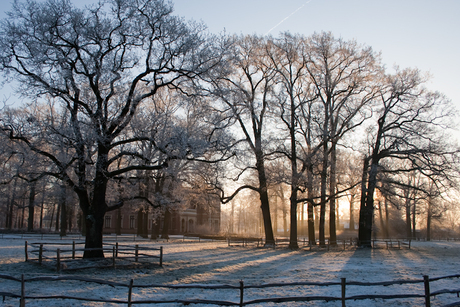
(217, 263)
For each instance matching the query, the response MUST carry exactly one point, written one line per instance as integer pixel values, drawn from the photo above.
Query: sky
(408, 33)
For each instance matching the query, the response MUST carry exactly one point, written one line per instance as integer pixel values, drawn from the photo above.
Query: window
(132, 222)
(108, 221)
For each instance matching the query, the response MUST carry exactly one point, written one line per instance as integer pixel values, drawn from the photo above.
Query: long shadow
(387, 265)
(226, 263)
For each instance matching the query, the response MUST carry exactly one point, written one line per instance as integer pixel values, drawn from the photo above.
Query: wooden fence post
(73, 249)
(161, 255)
(136, 253)
(241, 292)
(22, 301)
(40, 254)
(25, 247)
(426, 281)
(58, 260)
(343, 282)
(130, 292)
(116, 249)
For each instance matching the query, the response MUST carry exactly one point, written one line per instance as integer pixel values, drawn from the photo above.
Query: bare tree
(100, 64)
(408, 122)
(244, 96)
(343, 75)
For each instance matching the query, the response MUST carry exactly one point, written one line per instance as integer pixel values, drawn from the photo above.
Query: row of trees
(125, 92)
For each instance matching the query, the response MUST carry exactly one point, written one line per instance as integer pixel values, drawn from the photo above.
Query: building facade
(196, 219)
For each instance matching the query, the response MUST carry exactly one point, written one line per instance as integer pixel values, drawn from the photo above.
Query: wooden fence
(61, 258)
(241, 288)
(303, 242)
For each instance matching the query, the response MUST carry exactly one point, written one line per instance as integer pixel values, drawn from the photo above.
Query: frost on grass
(211, 263)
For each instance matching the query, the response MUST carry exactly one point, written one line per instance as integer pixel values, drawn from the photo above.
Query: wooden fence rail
(240, 288)
(60, 256)
(304, 242)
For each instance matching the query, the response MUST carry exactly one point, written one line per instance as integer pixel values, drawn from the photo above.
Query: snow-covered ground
(217, 263)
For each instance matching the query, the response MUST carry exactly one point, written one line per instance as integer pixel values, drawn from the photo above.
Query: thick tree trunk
(94, 223)
(165, 230)
(269, 236)
(93, 242)
(293, 244)
(366, 213)
(264, 199)
(95, 211)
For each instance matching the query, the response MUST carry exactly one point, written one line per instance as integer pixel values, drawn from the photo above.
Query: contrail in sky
(288, 17)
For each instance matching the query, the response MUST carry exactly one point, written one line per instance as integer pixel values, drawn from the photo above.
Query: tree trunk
(293, 244)
(58, 216)
(52, 216)
(414, 207)
(366, 212)
(93, 242)
(269, 237)
(264, 199)
(64, 218)
(352, 209)
(165, 230)
(30, 220)
(322, 214)
(382, 222)
(428, 221)
(332, 199)
(23, 214)
(94, 224)
(408, 221)
(42, 207)
(62, 205)
(95, 209)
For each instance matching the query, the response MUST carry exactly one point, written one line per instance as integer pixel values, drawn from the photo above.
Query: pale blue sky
(409, 33)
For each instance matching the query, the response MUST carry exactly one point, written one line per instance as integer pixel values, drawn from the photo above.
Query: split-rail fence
(241, 289)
